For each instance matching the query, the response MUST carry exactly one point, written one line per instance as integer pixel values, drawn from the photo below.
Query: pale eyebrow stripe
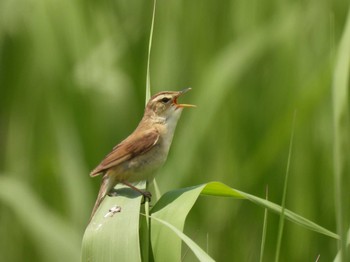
(160, 97)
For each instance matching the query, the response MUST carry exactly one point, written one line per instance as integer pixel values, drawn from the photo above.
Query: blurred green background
(72, 79)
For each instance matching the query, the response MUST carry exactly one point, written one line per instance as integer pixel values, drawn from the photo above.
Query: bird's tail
(104, 189)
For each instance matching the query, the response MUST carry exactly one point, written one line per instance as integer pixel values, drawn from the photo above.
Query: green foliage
(72, 82)
(168, 217)
(108, 239)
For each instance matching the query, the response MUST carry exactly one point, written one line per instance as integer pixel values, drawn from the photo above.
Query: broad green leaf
(114, 237)
(174, 207)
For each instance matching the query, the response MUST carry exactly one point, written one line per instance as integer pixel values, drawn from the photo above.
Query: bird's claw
(146, 196)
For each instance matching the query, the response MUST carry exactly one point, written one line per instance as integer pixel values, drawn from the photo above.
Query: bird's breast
(144, 167)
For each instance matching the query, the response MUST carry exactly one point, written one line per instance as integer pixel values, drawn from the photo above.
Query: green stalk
(281, 223)
(263, 239)
(148, 77)
(146, 230)
(341, 137)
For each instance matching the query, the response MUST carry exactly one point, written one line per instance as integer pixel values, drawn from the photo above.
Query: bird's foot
(146, 196)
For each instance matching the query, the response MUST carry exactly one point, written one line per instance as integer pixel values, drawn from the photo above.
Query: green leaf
(341, 125)
(148, 76)
(115, 237)
(174, 207)
(275, 208)
(281, 222)
(201, 255)
(263, 237)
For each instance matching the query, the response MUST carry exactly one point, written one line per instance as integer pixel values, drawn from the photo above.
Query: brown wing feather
(135, 144)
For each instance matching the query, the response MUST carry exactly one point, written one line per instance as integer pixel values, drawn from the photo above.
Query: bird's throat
(170, 126)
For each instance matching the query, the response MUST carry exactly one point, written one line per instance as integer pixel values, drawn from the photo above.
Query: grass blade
(291, 216)
(145, 229)
(220, 189)
(263, 238)
(200, 253)
(281, 223)
(148, 77)
(341, 136)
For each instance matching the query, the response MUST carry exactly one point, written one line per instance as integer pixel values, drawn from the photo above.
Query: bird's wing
(135, 144)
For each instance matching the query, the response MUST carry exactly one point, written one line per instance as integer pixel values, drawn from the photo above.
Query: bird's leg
(147, 195)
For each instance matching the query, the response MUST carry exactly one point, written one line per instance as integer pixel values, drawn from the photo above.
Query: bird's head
(165, 105)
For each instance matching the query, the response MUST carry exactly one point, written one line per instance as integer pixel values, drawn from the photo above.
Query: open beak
(180, 94)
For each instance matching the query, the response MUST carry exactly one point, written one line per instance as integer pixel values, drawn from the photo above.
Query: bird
(145, 150)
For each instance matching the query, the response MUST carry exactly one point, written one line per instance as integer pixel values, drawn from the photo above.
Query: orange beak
(181, 93)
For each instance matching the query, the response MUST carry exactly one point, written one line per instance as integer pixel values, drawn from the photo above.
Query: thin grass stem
(263, 239)
(281, 223)
(148, 77)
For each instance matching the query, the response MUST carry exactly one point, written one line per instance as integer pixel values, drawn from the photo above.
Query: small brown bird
(138, 156)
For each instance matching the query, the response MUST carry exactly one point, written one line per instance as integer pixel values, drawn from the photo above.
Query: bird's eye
(165, 100)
